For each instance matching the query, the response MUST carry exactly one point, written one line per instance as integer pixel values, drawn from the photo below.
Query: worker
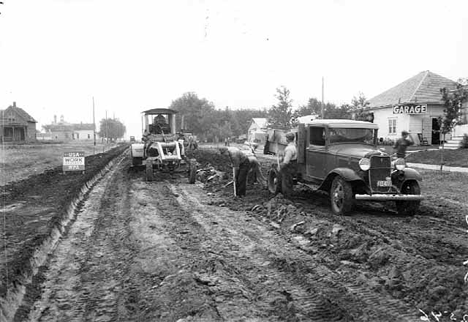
(402, 144)
(288, 166)
(241, 166)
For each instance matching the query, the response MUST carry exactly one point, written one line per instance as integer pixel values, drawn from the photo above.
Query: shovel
(234, 181)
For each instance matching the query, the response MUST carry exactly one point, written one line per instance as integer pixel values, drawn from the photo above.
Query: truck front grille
(379, 172)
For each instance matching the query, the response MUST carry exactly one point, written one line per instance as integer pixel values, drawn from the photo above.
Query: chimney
(55, 119)
(14, 104)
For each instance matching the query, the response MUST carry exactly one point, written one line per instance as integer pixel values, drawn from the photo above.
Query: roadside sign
(73, 161)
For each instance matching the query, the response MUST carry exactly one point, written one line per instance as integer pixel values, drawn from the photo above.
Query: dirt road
(170, 251)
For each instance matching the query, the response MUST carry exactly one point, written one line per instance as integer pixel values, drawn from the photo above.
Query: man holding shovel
(240, 168)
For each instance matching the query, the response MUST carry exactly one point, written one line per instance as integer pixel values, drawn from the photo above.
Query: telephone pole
(94, 124)
(322, 105)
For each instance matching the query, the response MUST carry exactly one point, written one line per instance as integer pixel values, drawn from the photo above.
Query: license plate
(384, 183)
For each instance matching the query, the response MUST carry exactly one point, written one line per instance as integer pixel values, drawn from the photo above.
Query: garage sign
(73, 161)
(409, 109)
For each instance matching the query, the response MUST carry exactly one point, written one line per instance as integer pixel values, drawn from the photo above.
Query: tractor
(162, 149)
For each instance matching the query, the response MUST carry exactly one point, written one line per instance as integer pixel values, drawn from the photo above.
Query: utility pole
(322, 105)
(107, 127)
(94, 124)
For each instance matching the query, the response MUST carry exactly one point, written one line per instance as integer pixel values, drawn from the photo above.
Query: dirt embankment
(170, 251)
(34, 211)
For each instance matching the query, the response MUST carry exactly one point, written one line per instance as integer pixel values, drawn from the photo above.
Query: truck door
(316, 153)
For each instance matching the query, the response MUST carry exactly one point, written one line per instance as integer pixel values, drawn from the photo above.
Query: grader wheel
(149, 171)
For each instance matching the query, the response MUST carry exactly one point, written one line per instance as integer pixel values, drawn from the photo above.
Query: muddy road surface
(170, 251)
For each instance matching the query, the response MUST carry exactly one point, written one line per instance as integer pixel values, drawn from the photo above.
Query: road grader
(162, 149)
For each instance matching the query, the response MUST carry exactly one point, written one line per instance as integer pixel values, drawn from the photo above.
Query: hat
(404, 132)
(290, 136)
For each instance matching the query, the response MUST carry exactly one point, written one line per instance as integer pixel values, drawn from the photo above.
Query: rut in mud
(170, 251)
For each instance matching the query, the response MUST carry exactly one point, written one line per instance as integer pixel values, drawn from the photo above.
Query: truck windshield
(352, 135)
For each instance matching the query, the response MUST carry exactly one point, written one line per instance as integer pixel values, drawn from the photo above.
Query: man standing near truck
(288, 167)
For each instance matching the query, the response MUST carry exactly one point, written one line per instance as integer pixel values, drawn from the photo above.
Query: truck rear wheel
(274, 181)
(409, 208)
(341, 196)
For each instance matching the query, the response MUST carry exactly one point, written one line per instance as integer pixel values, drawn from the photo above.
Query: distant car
(341, 157)
(132, 139)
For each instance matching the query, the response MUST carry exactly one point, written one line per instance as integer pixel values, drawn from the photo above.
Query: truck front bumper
(385, 197)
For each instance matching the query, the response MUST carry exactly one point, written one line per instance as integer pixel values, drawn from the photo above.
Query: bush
(464, 142)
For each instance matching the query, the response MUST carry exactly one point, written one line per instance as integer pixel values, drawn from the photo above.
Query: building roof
(422, 88)
(19, 111)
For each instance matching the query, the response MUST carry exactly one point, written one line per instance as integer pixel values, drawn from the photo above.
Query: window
(317, 136)
(392, 126)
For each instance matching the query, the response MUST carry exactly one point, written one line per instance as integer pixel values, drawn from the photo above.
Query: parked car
(341, 157)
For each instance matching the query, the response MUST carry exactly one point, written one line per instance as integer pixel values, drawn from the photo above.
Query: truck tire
(149, 171)
(273, 181)
(192, 171)
(341, 196)
(409, 208)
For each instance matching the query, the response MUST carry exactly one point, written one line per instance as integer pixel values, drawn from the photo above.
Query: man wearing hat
(288, 166)
(241, 166)
(402, 144)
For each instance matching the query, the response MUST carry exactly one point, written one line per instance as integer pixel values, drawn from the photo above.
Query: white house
(257, 130)
(413, 105)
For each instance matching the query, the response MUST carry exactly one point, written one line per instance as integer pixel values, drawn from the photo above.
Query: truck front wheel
(409, 208)
(341, 196)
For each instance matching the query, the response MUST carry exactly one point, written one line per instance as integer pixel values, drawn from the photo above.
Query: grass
(20, 161)
(447, 185)
(432, 155)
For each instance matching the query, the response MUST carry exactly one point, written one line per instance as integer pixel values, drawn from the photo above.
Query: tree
(193, 109)
(111, 129)
(279, 115)
(359, 106)
(453, 103)
(330, 110)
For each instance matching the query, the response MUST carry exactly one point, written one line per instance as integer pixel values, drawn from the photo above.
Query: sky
(57, 55)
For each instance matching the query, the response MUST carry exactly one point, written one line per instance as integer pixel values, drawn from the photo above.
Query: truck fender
(346, 173)
(137, 150)
(412, 174)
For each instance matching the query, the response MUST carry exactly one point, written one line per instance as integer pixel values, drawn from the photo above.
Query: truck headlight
(364, 164)
(400, 164)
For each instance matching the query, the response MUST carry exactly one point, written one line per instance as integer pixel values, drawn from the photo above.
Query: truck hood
(355, 150)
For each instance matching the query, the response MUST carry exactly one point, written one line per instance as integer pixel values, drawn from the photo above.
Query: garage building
(414, 105)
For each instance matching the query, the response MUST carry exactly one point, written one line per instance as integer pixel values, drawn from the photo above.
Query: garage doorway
(435, 131)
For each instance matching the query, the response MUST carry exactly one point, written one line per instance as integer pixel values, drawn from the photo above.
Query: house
(64, 131)
(413, 105)
(16, 125)
(257, 130)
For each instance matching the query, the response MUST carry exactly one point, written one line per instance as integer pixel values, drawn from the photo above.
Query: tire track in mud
(83, 279)
(320, 295)
(416, 259)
